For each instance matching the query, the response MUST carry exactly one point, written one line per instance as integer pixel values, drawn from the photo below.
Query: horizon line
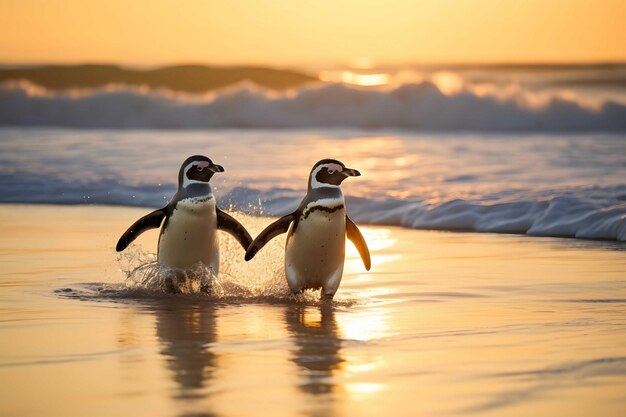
(381, 65)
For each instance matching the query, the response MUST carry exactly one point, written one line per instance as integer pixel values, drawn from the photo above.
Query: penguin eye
(331, 171)
(199, 168)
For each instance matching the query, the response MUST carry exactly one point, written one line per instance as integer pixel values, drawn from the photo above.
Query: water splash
(261, 281)
(143, 271)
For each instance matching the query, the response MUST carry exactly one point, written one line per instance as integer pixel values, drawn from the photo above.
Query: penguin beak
(216, 168)
(349, 172)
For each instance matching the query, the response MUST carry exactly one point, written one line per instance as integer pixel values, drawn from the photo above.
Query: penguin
(190, 221)
(316, 231)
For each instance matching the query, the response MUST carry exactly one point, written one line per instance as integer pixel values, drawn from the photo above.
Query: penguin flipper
(230, 225)
(355, 236)
(147, 222)
(280, 226)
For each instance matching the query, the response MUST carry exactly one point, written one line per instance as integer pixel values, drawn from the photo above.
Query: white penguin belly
(315, 252)
(190, 236)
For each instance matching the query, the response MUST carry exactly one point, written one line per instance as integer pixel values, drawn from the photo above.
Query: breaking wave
(419, 106)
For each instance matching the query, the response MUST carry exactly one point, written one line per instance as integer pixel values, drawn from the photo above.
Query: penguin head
(197, 169)
(330, 173)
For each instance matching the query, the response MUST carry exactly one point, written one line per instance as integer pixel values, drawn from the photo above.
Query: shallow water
(537, 184)
(444, 324)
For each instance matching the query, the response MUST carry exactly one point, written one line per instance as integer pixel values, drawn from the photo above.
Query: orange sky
(311, 32)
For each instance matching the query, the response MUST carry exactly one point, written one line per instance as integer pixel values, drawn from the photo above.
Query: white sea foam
(420, 106)
(559, 217)
(585, 216)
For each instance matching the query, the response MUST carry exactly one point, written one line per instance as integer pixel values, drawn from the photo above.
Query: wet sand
(444, 324)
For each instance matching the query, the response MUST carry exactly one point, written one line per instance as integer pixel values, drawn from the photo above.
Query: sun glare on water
(364, 388)
(377, 240)
(364, 80)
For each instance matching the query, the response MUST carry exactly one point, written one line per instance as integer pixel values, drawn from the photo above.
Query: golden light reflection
(364, 80)
(312, 317)
(356, 264)
(364, 387)
(370, 77)
(358, 78)
(369, 325)
(377, 240)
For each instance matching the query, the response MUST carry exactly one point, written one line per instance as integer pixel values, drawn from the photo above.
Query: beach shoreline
(473, 323)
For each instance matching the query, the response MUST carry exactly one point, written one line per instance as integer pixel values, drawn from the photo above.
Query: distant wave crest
(420, 106)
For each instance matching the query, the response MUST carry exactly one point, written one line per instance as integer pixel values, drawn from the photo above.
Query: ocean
(524, 318)
(537, 184)
(537, 150)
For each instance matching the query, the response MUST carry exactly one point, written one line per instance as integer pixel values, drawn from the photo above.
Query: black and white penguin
(192, 219)
(315, 248)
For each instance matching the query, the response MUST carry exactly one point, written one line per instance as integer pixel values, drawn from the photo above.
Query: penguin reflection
(318, 346)
(186, 331)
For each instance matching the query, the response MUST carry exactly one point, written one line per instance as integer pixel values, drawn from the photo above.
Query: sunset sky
(311, 32)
